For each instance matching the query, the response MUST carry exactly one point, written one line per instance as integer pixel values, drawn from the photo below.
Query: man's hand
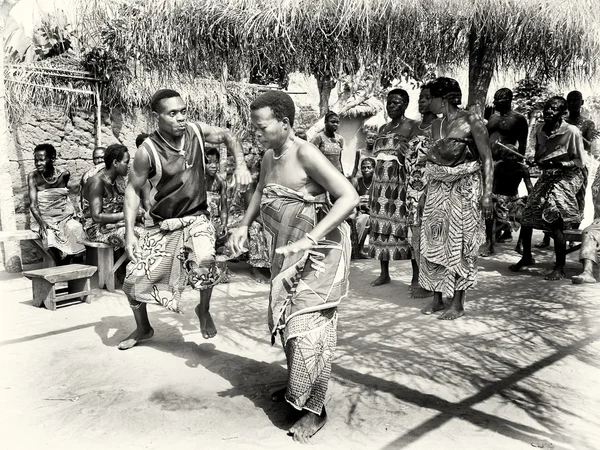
(243, 178)
(238, 241)
(131, 242)
(486, 206)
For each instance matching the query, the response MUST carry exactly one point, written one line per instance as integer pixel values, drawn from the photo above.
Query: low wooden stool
(77, 277)
(573, 236)
(103, 256)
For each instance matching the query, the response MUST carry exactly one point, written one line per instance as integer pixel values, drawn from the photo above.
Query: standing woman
(388, 236)
(453, 227)
(309, 246)
(329, 142)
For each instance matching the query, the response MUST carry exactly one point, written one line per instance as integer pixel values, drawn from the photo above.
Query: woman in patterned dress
(453, 227)
(388, 236)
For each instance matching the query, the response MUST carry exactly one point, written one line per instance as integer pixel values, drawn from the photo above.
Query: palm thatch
(557, 39)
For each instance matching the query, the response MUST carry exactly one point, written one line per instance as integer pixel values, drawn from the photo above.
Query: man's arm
(33, 203)
(224, 210)
(138, 175)
(522, 132)
(95, 195)
(215, 135)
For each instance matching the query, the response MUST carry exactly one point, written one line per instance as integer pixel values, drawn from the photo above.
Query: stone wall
(73, 136)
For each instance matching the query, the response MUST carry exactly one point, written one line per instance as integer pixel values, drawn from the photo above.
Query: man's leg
(560, 250)
(143, 331)
(207, 326)
(527, 258)
(490, 240)
(456, 308)
(590, 244)
(384, 276)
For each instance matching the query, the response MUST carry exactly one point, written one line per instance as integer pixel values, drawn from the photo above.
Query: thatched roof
(208, 37)
(368, 107)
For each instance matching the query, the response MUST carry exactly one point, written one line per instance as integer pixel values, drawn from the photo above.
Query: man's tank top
(177, 178)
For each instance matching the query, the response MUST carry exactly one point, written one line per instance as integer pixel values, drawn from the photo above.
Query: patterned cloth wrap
(306, 289)
(453, 228)
(64, 232)
(508, 210)
(388, 234)
(170, 256)
(555, 196)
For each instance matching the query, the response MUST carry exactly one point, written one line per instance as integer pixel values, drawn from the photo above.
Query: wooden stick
(510, 150)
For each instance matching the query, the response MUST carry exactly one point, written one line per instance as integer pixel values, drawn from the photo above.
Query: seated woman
(329, 142)
(553, 204)
(102, 199)
(590, 240)
(51, 207)
(361, 219)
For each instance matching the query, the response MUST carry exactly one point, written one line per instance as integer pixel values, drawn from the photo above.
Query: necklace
(365, 184)
(423, 129)
(53, 177)
(178, 150)
(107, 178)
(285, 151)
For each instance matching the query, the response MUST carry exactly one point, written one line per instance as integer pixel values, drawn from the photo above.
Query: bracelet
(311, 239)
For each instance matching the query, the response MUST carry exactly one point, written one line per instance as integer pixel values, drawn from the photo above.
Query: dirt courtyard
(519, 371)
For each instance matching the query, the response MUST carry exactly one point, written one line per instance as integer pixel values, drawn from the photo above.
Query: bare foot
(434, 306)
(259, 276)
(452, 314)
(135, 337)
(279, 395)
(583, 278)
(522, 263)
(381, 280)
(504, 240)
(542, 244)
(486, 252)
(419, 292)
(307, 426)
(207, 326)
(555, 275)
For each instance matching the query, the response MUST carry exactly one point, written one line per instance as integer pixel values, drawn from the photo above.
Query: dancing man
(180, 249)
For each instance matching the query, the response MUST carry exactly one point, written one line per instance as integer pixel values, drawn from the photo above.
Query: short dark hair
(212, 151)
(331, 114)
(576, 94)
(114, 152)
(401, 92)
(48, 148)
(159, 96)
(562, 100)
(368, 159)
(100, 147)
(448, 89)
(281, 104)
(504, 93)
(139, 140)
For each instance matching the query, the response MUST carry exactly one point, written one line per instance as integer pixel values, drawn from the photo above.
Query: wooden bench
(102, 256)
(44, 282)
(573, 236)
(28, 235)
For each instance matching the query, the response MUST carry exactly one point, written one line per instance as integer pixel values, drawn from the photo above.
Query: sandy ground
(521, 370)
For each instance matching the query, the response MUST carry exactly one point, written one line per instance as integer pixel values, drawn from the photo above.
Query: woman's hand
(295, 247)
(238, 241)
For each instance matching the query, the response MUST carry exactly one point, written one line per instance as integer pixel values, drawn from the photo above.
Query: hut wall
(350, 129)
